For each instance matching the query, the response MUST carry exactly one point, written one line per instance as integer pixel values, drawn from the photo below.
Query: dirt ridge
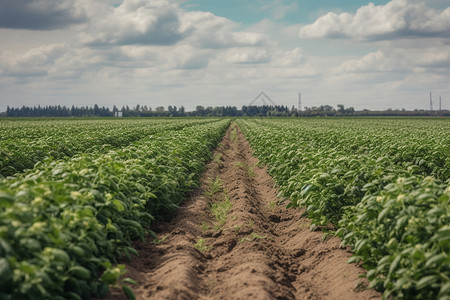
(260, 251)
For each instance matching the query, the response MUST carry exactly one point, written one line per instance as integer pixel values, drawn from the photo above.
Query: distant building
(119, 114)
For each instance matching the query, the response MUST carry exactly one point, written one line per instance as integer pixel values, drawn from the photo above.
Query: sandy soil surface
(231, 240)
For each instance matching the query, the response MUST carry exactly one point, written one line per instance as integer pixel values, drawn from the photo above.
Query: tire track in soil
(263, 251)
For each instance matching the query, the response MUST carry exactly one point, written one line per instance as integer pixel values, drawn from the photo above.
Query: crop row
(64, 223)
(383, 184)
(25, 142)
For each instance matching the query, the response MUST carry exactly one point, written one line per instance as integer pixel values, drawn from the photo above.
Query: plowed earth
(259, 251)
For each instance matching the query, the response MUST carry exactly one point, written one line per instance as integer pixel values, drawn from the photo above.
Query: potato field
(383, 184)
(64, 222)
(97, 208)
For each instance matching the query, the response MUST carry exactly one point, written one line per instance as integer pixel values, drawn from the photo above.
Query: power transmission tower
(263, 97)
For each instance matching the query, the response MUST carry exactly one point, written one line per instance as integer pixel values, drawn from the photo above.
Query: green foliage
(217, 159)
(233, 134)
(204, 226)
(220, 212)
(113, 277)
(252, 237)
(215, 186)
(26, 142)
(403, 236)
(219, 209)
(384, 183)
(64, 223)
(157, 241)
(201, 246)
(249, 169)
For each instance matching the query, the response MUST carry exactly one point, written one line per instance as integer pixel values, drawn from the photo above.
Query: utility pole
(431, 103)
(440, 106)
(300, 104)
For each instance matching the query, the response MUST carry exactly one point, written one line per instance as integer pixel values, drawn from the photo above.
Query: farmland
(78, 195)
(384, 184)
(65, 220)
(25, 143)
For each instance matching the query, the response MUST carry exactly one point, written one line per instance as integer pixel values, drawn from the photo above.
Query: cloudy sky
(374, 55)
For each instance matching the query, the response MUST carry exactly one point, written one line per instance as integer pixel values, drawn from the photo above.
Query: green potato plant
(383, 184)
(65, 223)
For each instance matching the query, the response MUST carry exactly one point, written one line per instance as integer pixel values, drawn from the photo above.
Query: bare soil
(261, 250)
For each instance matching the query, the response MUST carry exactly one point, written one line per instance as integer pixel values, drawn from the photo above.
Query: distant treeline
(200, 111)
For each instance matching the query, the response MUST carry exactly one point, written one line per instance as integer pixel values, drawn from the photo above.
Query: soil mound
(233, 240)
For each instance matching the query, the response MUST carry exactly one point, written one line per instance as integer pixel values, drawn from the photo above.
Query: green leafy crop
(383, 184)
(26, 142)
(64, 223)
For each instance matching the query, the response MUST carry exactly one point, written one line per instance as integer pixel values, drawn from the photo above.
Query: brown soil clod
(261, 250)
(275, 218)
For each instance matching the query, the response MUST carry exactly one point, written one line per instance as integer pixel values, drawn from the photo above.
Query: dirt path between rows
(251, 248)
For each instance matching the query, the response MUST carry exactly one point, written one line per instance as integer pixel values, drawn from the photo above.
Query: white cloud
(153, 22)
(159, 22)
(247, 56)
(36, 62)
(154, 52)
(134, 35)
(207, 30)
(399, 61)
(41, 14)
(378, 61)
(396, 19)
(294, 58)
(189, 58)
